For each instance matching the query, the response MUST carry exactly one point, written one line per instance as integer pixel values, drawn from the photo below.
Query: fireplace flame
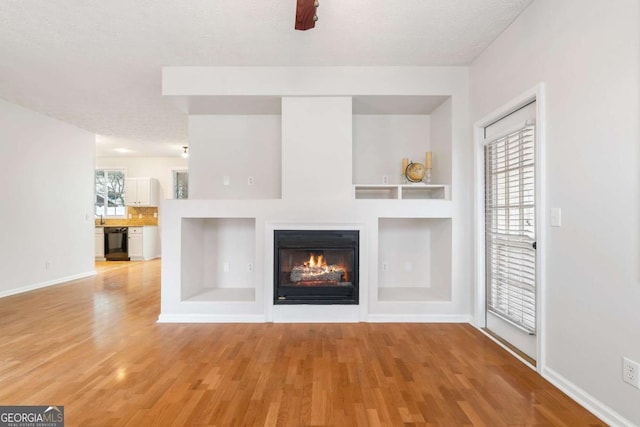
(316, 269)
(317, 262)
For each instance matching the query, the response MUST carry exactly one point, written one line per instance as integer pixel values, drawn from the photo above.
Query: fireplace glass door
(316, 267)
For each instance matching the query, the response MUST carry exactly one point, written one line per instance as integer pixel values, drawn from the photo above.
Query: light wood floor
(94, 346)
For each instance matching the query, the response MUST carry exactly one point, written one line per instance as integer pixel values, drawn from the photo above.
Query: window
(510, 228)
(180, 184)
(110, 193)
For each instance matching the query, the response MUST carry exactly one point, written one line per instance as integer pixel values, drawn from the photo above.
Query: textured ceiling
(97, 64)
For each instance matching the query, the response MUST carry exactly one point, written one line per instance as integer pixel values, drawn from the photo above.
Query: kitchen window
(109, 201)
(180, 184)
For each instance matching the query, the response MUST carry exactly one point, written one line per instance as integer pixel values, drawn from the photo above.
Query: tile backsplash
(138, 216)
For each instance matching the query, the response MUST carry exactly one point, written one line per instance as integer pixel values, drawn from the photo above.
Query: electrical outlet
(250, 181)
(139, 216)
(250, 266)
(48, 264)
(225, 266)
(226, 180)
(385, 266)
(631, 372)
(155, 214)
(385, 179)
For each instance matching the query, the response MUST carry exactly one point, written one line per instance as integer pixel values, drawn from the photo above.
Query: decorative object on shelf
(414, 172)
(427, 165)
(306, 14)
(405, 163)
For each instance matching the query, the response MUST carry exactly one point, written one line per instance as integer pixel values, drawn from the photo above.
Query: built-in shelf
(414, 259)
(405, 191)
(218, 259)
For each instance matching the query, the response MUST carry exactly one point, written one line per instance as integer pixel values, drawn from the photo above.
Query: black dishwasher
(116, 244)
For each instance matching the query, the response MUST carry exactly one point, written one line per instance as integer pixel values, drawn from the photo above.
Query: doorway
(508, 217)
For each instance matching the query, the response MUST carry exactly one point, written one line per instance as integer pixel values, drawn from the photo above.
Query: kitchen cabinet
(144, 243)
(99, 244)
(141, 191)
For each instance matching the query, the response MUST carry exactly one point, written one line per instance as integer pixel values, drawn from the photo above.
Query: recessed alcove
(218, 259)
(414, 259)
(387, 129)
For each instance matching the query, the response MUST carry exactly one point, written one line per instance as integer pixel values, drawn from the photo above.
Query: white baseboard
(589, 402)
(211, 318)
(40, 285)
(418, 318)
(293, 314)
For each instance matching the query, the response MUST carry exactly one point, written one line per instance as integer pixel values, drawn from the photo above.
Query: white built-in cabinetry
(144, 243)
(142, 192)
(225, 261)
(341, 158)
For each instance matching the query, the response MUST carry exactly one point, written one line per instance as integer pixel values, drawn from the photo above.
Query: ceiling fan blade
(305, 15)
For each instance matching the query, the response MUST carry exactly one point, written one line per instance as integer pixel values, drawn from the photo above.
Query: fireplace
(316, 266)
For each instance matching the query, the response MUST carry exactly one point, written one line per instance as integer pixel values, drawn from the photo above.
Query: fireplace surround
(316, 266)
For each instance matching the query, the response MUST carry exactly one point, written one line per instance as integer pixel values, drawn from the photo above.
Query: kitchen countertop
(125, 225)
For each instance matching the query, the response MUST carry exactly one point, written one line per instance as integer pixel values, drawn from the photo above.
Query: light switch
(226, 180)
(556, 217)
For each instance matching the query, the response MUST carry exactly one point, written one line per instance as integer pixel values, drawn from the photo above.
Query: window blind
(510, 227)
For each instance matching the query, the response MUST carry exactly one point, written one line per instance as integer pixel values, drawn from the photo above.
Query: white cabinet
(141, 191)
(143, 243)
(135, 243)
(99, 244)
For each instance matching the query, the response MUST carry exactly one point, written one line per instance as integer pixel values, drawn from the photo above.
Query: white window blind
(510, 227)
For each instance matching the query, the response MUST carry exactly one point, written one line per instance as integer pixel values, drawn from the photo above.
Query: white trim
(593, 405)
(536, 93)
(419, 318)
(48, 283)
(211, 318)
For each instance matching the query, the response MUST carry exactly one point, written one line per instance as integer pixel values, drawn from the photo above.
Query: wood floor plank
(93, 345)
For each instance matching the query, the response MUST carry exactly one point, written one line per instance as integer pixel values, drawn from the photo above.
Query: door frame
(536, 94)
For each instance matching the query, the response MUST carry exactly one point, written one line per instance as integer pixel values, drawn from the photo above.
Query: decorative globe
(415, 172)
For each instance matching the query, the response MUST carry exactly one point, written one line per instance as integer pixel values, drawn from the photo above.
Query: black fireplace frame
(310, 240)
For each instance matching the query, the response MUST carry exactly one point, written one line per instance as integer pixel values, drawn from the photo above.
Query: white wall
(154, 167)
(237, 147)
(380, 142)
(317, 148)
(231, 241)
(440, 142)
(46, 167)
(587, 54)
